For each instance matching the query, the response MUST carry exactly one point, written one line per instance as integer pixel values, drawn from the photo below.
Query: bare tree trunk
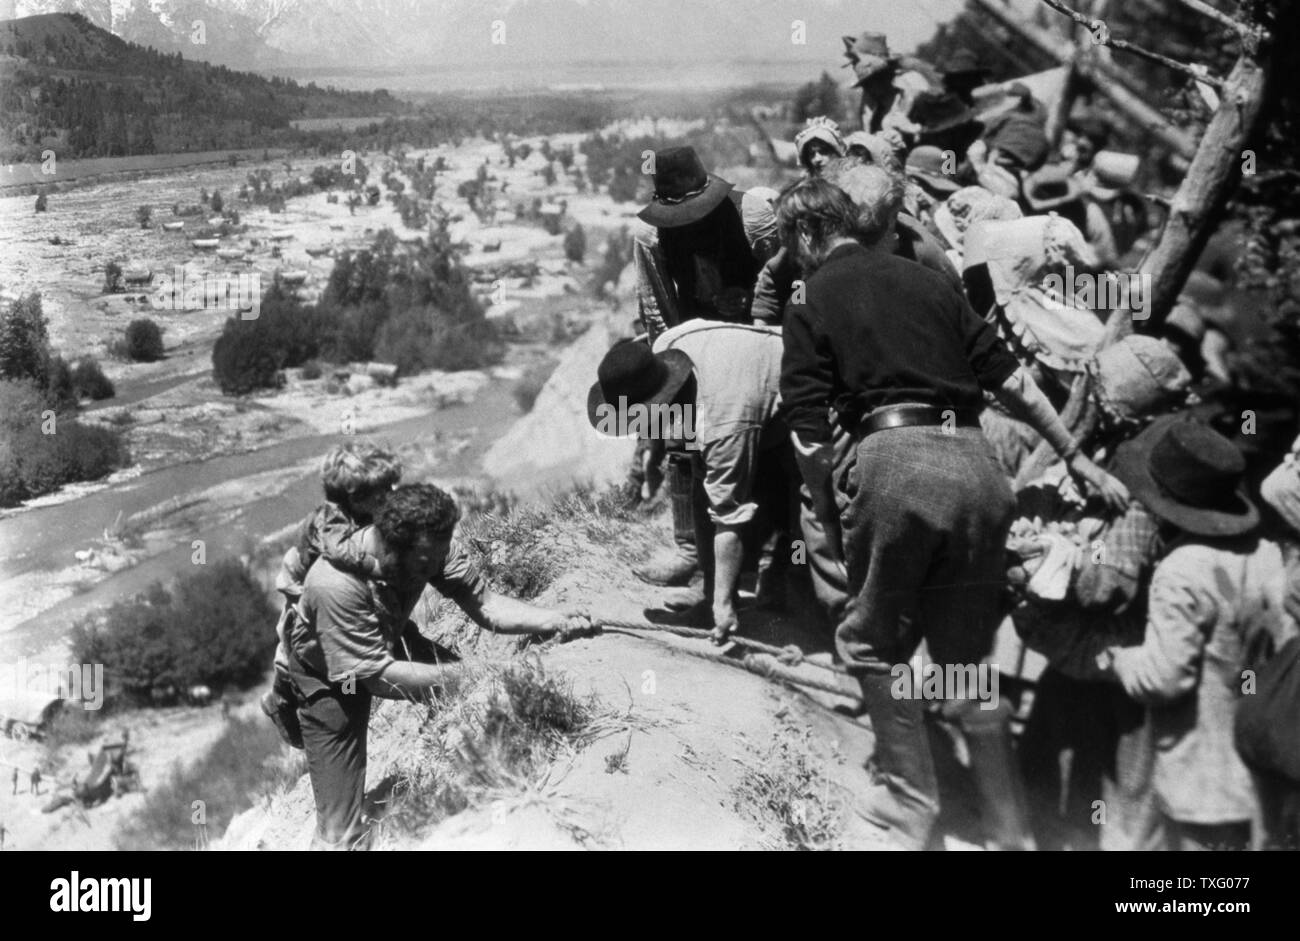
(1205, 190)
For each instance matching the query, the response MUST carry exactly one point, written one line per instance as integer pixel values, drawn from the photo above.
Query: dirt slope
(702, 755)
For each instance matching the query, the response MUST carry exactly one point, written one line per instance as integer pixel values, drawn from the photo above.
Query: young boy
(356, 478)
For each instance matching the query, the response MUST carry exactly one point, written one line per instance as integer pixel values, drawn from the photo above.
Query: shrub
(821, 97)
(250, 354)
(241, 363)
(790, 791)
(575, 244)
(506, 724)
(41, 203)
(530, 385)
(33, 463)
(311, 369)
(244, 764)
(410, 307)
(143, 341)
(517, 549)
(89, 381)
(144, 215)
(212, 627)
(60, 392)
(24, 341)
(112, 278)
(73, 726)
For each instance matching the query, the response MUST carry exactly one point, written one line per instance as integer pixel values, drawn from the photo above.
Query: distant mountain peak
(340, 35)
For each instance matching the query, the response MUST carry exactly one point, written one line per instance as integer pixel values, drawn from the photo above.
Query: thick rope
(789, 655)
(758, 664)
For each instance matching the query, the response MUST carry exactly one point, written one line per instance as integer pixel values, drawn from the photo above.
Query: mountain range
(392, 34)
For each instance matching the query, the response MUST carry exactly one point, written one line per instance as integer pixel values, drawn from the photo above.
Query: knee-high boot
(1004, 804)
(903, 794)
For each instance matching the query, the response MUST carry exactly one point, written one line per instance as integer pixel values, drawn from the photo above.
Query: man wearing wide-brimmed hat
(1216, 595)
(698, 247)
(947, 122)
(713, 388)
(889, 83)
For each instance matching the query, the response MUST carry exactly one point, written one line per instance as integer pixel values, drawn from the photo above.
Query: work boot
(284, 714)
(902, 797)
(675, 568)
(669, 568)
(1004, 801)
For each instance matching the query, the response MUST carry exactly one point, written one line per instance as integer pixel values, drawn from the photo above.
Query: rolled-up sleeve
(350, 630)
(462, 580)
(1167, 664)
(729, 466)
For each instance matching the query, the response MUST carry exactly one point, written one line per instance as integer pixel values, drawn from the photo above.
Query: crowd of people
(875, 362)
(895, 402)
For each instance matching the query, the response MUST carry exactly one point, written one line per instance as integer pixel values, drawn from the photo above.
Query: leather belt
(909, 415)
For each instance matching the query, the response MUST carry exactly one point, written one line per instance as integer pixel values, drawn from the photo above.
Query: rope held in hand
(789, 655)
(756, 663)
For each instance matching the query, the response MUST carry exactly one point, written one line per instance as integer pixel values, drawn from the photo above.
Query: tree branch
(1200, 6)
(1196, 72)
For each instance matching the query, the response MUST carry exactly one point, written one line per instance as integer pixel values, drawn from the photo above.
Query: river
(44, 539)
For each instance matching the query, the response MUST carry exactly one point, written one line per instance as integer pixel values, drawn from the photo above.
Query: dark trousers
(1087, 742)
(334, 725)
(334, 722)
(925, 514)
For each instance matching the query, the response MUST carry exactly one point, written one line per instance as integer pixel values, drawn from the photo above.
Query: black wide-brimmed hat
(1190, 475)
(630, 374)
(684, 191)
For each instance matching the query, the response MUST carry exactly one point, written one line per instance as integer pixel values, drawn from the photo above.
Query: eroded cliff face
(554, 445)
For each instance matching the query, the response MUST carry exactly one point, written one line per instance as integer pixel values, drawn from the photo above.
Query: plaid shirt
(1115, 574)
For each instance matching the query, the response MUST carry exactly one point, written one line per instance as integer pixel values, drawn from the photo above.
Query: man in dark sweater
(893, 355)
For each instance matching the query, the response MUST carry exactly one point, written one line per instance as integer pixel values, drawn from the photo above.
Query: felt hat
(868, 54)
(684, 191)
(630, 374)
(1189, 475)
(1023, 138)
(939, 112)
(1051, 187)
(926, 165)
